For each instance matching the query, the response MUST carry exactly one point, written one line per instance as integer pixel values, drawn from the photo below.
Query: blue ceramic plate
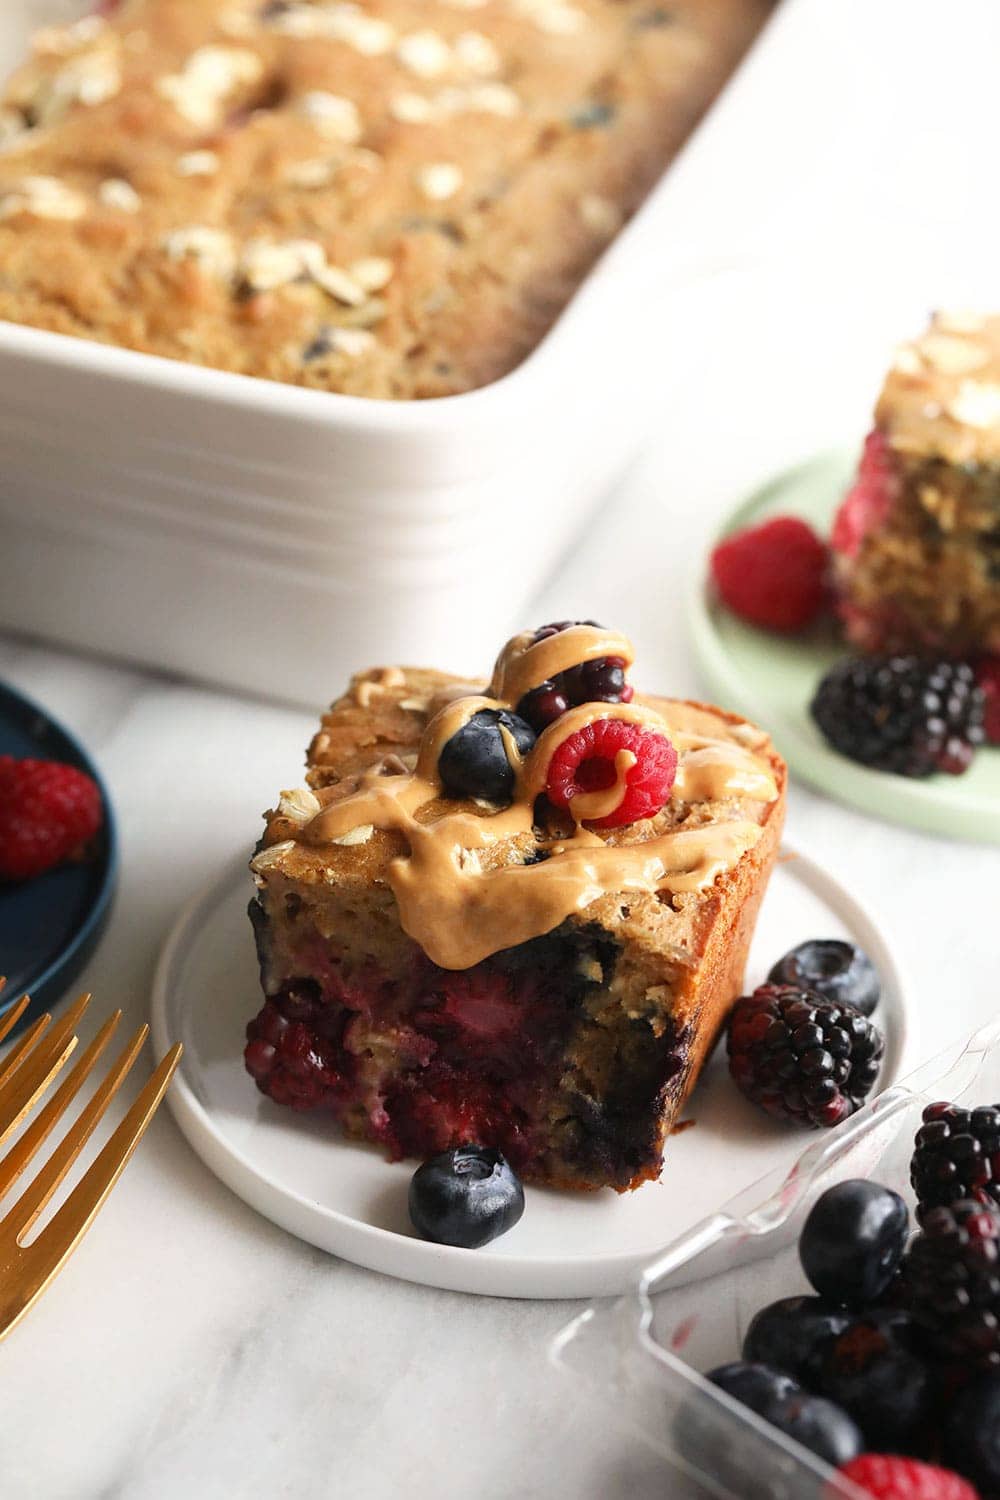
(49, 926)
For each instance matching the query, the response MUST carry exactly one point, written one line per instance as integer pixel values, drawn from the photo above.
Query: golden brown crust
(464, 166)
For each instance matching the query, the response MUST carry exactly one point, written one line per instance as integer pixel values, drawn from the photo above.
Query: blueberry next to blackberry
(853, 1241)
(475, 763)
(902, 714)
(956, 1155)
(833, 969)
(465, 1197)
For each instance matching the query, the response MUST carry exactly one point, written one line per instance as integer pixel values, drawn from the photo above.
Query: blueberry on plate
(474, 762)
(465, 1197)
(794, 1335)
(832, 969)
(853, 1241)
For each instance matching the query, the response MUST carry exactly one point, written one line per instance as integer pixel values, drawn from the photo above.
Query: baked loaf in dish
(545, 972)
(390, 199)
(917, 541)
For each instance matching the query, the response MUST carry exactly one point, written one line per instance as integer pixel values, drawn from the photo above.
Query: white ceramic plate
(345, 1198)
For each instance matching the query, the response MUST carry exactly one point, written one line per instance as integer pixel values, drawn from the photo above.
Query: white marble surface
(191, 1348)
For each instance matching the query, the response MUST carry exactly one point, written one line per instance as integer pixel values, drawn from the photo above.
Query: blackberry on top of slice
(600, 681)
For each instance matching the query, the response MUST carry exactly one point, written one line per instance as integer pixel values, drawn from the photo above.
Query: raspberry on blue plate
(49, 812)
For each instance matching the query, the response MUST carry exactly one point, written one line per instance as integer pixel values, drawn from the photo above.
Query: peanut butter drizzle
(521, 666)
(460, 913)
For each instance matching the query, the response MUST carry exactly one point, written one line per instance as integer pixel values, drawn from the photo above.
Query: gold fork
(25, 1074)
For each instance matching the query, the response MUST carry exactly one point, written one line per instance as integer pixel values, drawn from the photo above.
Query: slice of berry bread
(515, 915)
(917, 540)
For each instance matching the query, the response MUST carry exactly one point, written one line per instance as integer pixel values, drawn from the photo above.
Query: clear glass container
(639, 1358)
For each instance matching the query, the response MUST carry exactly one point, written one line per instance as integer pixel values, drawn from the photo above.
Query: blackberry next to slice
(902, 713)
(801, 1058)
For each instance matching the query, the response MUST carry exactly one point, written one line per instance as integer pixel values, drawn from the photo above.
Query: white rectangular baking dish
(640, 1359)
(273, 538)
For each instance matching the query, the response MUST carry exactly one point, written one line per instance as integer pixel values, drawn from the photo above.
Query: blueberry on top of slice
(474, 762)
(853, 1241)
(833, 969)
(465, 1197)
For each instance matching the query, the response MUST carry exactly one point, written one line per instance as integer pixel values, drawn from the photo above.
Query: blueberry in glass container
(466, 1197)
(794, 1334)
(971, 1441)
(853, 1241)
(875, 1372)
(759, 1386)
(811, 1420)
(831, 968)
(474, 762)
(819, 1425)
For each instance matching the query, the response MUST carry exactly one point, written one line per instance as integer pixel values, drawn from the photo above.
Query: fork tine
(36, 1266)
(15, 1013)
(73, 1219)
(34, 1077)
(25, 1211)
(19, 1156)
(16, 1056)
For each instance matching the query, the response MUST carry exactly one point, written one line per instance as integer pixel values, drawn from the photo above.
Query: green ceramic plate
(772, 679)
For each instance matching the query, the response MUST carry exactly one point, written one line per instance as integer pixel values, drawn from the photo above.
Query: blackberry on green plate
(902, 714)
